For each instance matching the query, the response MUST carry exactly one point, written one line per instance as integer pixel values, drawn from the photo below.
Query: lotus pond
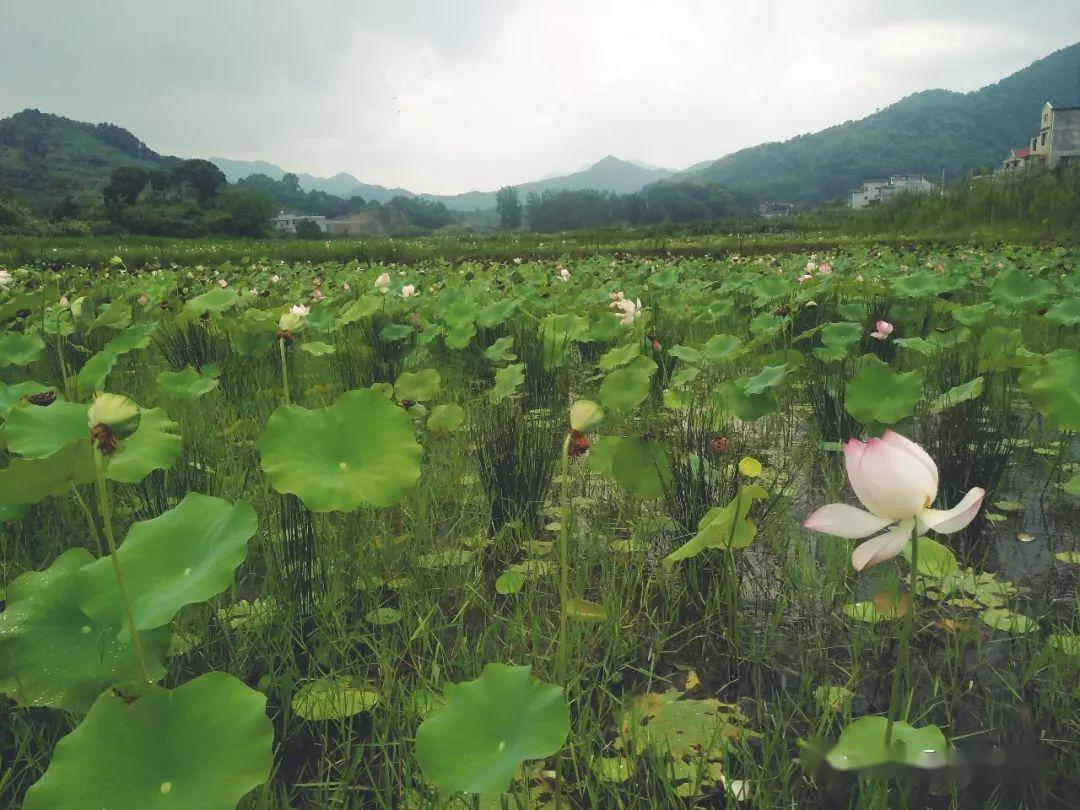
(754, 531)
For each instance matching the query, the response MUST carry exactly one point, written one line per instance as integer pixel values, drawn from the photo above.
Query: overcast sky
(445, 96)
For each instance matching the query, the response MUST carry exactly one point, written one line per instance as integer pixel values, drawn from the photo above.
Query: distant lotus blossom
(382, 283)
(408, 291)
(300, 310)
(897, 481)
(222, 283)
(5, 279)
(804, 277)
(316, 282)
(517, 261)
(64, 303)
(563, 274)
(884, 329)
(811, 266)
(274, 279)
(317, 294)
(142, 299)
(345, 286)
(824, 269)
(630, 310)
(859, 278)
(617, 296)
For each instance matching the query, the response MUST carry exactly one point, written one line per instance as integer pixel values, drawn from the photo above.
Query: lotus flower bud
(585, 415)
(111, 417)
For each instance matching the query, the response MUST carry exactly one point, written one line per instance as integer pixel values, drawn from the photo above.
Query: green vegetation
(442, 531)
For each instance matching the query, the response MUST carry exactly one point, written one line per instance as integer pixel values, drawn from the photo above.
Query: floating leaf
(509, 582)
(1001, 618)
(360, 449)
(862, 745)
(585, 611)
(334, 699)
(203, 745)
(383, 616)
(487, 727)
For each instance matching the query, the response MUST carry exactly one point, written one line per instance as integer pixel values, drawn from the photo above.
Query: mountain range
(46, 157)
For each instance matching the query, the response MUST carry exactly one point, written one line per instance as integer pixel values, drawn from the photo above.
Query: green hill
(45, 158)
(926, 133)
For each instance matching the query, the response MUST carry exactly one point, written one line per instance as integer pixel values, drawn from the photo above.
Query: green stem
(564, 597)
(901, 670)
(110, 538)
(90, 523)
(284, 370)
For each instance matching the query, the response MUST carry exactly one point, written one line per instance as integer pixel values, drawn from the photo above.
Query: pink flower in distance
(897, 481)
(824, 269)
(884, 329)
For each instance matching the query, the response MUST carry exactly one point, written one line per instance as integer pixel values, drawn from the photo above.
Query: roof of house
(1020, 154)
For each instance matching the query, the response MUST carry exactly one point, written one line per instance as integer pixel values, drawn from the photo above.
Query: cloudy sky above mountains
(450, 95)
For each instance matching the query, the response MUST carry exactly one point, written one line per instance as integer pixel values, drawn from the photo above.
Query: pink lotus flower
(408, 291)
(884, 329)
(563, 274)
(824, 269)
(222, 283)
(897, 481)
(317, 294)
(382, 283)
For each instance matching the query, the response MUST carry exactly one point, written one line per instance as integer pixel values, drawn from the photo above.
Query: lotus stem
(110, 538)
(284, 371)
(905, 638)
(564, 597)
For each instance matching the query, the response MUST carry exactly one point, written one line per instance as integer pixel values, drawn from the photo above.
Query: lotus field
(791, 530)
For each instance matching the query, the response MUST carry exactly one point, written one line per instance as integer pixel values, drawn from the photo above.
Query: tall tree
(203, 177)
(125, 185)
(508, 204)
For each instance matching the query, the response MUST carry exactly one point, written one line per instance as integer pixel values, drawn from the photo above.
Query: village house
(287, 222)
(875, 192)
(1057, 142)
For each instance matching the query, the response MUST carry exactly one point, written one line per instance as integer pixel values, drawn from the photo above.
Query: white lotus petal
(881, 548)
(841, 520)
(947, 521)
(892, 482)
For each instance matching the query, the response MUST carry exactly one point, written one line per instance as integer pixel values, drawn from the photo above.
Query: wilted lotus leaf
(360, 449)
(862, 745)
(203, 745)
(878, 395)
(334, 699)
(666, 723)
(35, 432)
(185, 385)
(53, 654)
(184, 556)
(487, 727)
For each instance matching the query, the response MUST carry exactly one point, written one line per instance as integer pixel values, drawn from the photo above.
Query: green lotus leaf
(20, 350)
(460, 336)
(363, 307)
(1001, 618)
(334, 699)
(499, 351)
(10, 395)
(509, 582)
(973, 315)
(721, 348)
(866, 612)
(116, 314)
(53, 654)
(746, 407)
(394, 332)
(862, 745)
(877, 394)
(36, 432)
(507, 381)
(958, 394)
(446, 418)
(151, 447)
(768, 378)
(624, 389)
(26, 481)
(1019, 290)
(917, 344)
(496, 312)
(641, 466)
(419, 386)
(935, 560)
(360, 449)
(1054, 389)
(723, 527)
(183, 556)
(918, 285)
(1065, 313)
(619, 356)
(843, 335)
(1072, 486)
(317, 348)
(201, 746)
(218, 299)
(185, 385)
(687, 354)
(488, 727)
(601, 456)
(92, 375)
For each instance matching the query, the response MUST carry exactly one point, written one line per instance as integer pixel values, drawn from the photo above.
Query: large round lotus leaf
(151, 447)
(183, 556)
(1055, 390)
(30, 480)
(877, 394)
(1065, 313)
(218, 299)
(37, 432)
(619, 356)
(623, 389)
(361, 449)
(19, 350)
(862, 745)
(506, 381)
(419, 386)
(446, 418)
(334, 699)
(487, 727)
(769, 377)
(842, 335)
(52, 654)
(185, 385)
(721, 348)
(1017, 289)
(747, 407)
(92, 375)
(199, 747)
(641, 466)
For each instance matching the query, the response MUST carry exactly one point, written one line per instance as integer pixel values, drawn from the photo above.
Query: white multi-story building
(287, 222)
(875, 192)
